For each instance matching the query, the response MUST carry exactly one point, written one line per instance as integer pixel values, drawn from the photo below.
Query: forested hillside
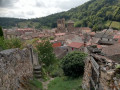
(96, 14)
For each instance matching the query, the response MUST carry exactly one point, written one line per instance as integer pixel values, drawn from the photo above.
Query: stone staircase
(37, 71)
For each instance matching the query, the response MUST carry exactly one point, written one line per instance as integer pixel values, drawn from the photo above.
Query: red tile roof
(116, 37)
(99, 46)
(41, 35)
(57, 45)
(118, 40)
(92, 33)
(76, 45)
(59, 34)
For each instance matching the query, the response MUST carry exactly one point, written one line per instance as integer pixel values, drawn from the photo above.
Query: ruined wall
(101, 74)
(109, 80)
(87, 75)
(15, 67)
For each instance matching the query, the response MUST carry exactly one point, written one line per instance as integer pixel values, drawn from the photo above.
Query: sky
(35, 8)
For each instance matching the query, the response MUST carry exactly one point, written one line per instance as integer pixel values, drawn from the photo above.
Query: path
(45, 84)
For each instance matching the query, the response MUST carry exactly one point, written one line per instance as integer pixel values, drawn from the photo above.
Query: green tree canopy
(73, 64)
(45, 53)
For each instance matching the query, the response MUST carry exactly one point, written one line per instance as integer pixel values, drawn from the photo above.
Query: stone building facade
(15, 66)
(70, 26)
(61, 25)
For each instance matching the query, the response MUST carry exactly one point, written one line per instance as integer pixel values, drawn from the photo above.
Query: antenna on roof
(111, 22)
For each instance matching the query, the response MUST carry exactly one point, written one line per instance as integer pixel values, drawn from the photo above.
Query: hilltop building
(70, 26)
(60, 25)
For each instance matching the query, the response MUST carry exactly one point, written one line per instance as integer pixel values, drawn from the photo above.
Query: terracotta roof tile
(58, 44)
(59, 34)
(99, 46)
(116, 37)
(75, 44)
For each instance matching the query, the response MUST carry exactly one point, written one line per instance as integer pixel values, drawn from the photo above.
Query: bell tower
(61, 25)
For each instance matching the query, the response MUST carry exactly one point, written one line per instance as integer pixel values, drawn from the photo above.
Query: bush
(11, 43)
(56, 71)
(73, 64)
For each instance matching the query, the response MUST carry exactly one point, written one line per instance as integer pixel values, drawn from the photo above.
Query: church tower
(61, 25)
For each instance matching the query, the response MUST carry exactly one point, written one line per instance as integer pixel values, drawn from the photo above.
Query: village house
(59, 35)
(70, 26)
(17, 33)
(105, 38)
(60, 52)
(85, 30)
(25, 31)
(9, 33)
(75, 46)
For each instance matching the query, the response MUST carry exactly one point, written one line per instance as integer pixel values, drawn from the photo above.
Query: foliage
(1, 32)
(45, 53)
(10, 43)
(73, 64)
(56, 70)
(115, 24)
(118, 66)
(35, 85)
(61, 83)
(51, 38)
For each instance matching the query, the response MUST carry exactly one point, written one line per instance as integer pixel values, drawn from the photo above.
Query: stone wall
(15, 67)
(101, 74)
(87, 74)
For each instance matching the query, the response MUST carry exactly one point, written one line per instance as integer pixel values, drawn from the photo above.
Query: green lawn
(61, 83)
(114, 24)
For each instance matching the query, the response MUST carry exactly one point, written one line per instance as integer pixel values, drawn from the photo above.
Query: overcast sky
(35, 8)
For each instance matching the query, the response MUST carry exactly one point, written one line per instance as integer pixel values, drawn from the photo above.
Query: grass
(61, 83)
(114, 24)
(35, 85)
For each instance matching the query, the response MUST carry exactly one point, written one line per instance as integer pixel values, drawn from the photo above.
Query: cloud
(7, 3)
(30, 13)
(40, 3)
(35, 8)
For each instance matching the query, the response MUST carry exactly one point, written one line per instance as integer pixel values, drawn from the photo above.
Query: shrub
(11, 43)
(73, 64)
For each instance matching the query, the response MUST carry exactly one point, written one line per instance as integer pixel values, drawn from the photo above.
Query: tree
(73, 64)
(95, 28)
(1, 32)
(45, 53)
